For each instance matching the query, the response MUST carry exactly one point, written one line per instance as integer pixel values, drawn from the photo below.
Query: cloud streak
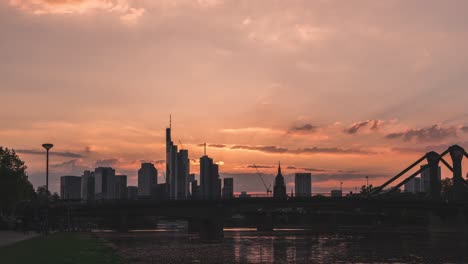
(52, 153)
(123, 8)
(433, 133)
(371, 124)
(281, 150)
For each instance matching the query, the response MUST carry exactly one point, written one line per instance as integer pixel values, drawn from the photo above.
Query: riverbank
(11, 237)
(60, 248)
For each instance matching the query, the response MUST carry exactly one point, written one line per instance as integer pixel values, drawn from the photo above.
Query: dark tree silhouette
(14, 183)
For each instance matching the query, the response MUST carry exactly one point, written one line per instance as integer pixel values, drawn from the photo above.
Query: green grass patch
(63, 248)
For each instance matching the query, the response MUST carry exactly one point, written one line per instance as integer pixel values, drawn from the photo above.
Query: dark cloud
(52, 153)
(153, 161)
(66, 164)
(464, 129)
(106, 162)
(317, 150)
(355, 127)
(306, 128)
(432, 133)
(213, 145)
(260, 166)
(268, 149)
(277, 149)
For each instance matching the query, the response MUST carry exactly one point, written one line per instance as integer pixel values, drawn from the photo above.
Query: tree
(447, 188)
(14, 183)
(366, 189)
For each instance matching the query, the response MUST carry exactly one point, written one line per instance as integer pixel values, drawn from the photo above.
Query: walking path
(10, 237)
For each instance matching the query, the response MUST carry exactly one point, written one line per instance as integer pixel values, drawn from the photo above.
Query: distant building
(413, 185)
(104, 179)
(209, 179)
(183, 172)
(70, 187)
(121, 187)
(228, 188)
(87, 186)
(426, 178)
(147, 179)
(303, 184)
(195, 190)
(279, 189)
(244, 195)
(132, 192)
(160, 191)
(336, 193)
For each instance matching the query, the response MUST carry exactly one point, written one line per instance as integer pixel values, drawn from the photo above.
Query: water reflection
(291, 246)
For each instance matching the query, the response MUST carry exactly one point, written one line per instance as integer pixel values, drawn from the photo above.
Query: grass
(63, 248)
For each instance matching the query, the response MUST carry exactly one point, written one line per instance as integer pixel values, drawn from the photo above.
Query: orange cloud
(122, 8)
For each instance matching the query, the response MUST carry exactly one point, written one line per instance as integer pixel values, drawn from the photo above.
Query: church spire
(279, 167)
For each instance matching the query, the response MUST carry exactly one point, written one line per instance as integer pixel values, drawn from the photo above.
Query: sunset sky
(342, 89)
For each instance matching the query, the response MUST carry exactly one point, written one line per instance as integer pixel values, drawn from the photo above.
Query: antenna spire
(170, 120)
(205, 147)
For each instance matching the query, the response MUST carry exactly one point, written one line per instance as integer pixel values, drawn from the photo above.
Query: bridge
(379, 208)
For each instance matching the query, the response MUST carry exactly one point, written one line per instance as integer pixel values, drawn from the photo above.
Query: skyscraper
(121, 187)
(303, 184)
(70, 187)
(279, 189)
(104, 178)
(147, 179)
(209, 179)
(228, 188)
(87, 186)
(426, 178)
(183, 172)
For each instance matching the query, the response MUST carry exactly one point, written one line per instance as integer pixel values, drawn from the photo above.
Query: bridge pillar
(456, 153)
(265, 222)
(433, 160)
(211, 230)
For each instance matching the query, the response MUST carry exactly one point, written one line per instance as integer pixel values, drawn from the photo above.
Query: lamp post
(367, 181)
(47, 146)
(341, 187)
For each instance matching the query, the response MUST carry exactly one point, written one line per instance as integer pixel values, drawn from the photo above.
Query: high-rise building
(426, 178)
(121, 187)
(132, 192)
(228, 188)
(104, 183)
(147, 179)
(195, 190)
(209, 179)
(279, 189)
(70, 187)
(183, 172)
(87, 186)
(303, 184)
(413, 185)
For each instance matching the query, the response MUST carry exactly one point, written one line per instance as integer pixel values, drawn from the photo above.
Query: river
(289, 246)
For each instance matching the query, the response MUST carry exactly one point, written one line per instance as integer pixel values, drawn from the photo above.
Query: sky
(341, 89)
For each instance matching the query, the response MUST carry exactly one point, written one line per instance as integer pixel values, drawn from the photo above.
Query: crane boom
(263, 181)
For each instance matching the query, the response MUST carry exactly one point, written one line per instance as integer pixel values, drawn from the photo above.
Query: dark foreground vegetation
(60, 248)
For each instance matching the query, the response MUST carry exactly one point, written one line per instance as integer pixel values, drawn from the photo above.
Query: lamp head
(47, 146)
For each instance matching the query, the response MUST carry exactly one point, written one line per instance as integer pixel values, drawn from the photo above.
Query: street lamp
(367, 181)
(47, 146)
(341, 186)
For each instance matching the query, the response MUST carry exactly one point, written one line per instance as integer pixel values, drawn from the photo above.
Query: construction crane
(268, 188)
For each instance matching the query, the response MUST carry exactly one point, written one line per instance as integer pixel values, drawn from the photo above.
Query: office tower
(413, 185)
(132, 192)
(183, 172)
(279, 189)
(426, 178)
(104, 183)
(87, 186)
(70, 187)
(195, 189)
(147, 178)
(228, 188)
(121, 187)
(209, 175)
(303, 184)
